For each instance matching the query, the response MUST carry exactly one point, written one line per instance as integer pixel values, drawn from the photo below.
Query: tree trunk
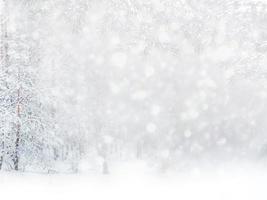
(2, 154)
(105, 169)
(1, 161)
(16, 157)
(139, 150)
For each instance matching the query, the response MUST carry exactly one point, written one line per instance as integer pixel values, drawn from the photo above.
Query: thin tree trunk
(139, 150)
(1, 162)
(105, 169)
(2, 156)
(16, 158)
(2, 153)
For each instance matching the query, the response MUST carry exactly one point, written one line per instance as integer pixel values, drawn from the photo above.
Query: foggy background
(89, 84)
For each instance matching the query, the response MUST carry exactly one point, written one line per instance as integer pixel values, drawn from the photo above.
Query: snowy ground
(231, 184)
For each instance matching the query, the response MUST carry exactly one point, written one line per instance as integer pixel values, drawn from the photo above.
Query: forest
(86, 85)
